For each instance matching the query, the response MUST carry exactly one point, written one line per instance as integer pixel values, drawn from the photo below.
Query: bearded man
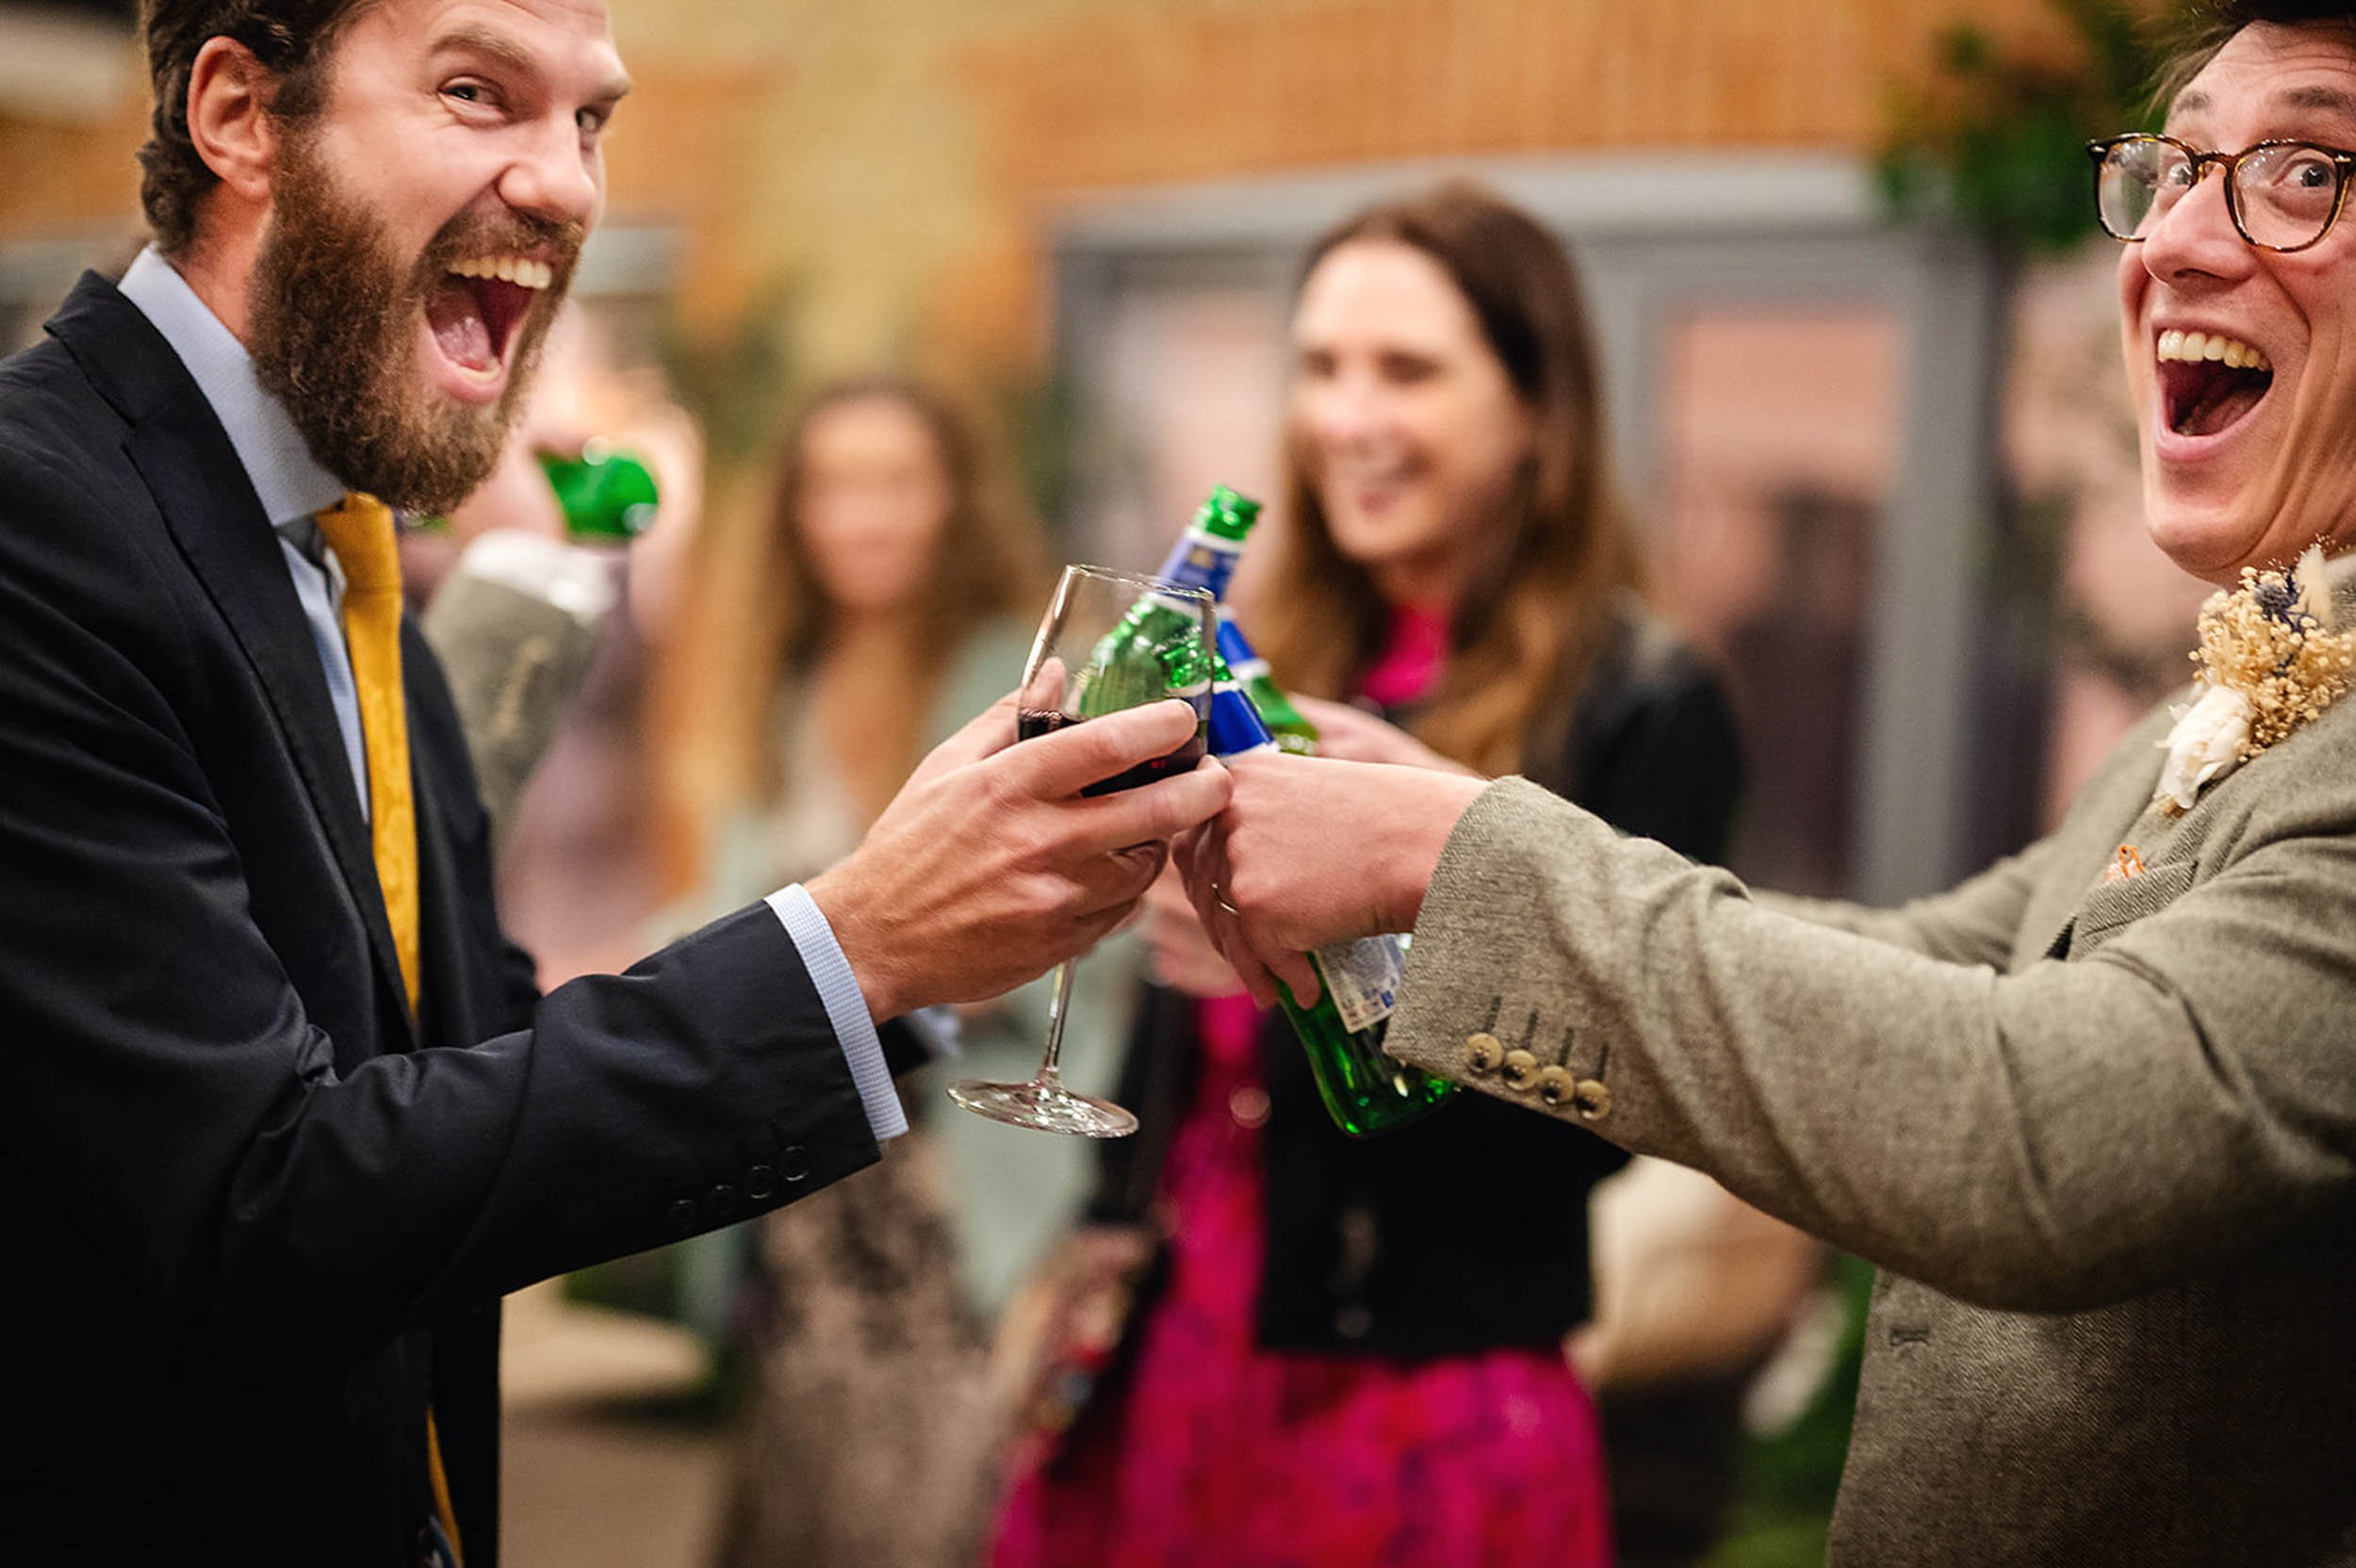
(282, 1115)
(2093, 1112)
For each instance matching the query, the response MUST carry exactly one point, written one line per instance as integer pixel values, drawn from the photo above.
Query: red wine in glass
(1032, 723)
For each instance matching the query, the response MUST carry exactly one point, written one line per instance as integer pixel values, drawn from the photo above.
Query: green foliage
(736, 381)
(1039, 418)
(1996, 140)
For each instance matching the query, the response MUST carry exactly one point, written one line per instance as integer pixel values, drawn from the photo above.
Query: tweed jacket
(2098, 1131)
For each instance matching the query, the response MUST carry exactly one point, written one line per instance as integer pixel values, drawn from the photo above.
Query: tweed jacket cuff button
(1555, 1084)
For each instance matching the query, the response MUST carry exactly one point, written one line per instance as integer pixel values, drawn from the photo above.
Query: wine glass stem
(1055, 1010)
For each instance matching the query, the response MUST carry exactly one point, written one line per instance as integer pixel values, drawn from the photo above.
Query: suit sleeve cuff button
(1556, 1085)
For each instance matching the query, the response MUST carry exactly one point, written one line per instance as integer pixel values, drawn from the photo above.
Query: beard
(334, 324)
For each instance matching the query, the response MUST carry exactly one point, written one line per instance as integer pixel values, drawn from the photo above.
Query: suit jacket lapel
(2143, 833)
(2110, 809)
(442, 993)
(2148, 830)
(208, 505)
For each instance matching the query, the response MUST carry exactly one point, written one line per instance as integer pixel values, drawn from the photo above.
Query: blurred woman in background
(1344, 1354)
(891, 599)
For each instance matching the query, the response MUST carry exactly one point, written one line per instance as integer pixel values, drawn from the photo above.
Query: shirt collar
(288, 480)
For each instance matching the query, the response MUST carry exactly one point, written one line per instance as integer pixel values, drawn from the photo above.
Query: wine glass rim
(1143, 581)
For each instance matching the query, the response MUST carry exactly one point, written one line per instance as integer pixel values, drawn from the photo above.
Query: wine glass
(1132, 640)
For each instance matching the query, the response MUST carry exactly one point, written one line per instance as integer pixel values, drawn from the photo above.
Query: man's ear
(229, 119)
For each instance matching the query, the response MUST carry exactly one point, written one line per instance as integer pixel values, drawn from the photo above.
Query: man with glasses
(2093, 1112)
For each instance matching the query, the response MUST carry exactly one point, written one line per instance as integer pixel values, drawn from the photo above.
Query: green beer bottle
(1292, 731)
(1366, 1089)
(1155, 652)
(1204, 557)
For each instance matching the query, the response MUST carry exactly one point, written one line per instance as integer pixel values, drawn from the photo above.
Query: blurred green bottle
(608, 498)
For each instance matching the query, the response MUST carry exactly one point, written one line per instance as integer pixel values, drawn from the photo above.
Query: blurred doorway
(1776, 453)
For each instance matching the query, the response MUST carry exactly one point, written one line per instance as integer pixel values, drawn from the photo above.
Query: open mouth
(483, 301)
(2208, 382)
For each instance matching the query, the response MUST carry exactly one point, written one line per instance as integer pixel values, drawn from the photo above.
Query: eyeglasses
(2282, 195)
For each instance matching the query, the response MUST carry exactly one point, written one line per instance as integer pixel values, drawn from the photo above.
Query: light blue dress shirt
(294, 488)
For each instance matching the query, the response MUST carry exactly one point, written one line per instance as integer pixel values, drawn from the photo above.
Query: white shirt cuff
(846, 1008)
(579, 582)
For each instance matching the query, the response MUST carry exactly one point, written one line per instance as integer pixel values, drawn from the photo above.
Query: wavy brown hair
(1555, 559)
(760, 619)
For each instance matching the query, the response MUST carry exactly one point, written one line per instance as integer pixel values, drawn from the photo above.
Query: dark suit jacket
(254, 1219)
(1371, 1243)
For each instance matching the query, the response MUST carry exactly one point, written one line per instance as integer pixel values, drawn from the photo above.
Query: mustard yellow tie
(360, 532)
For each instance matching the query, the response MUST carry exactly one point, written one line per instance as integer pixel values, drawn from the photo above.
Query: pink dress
(1219, 1454)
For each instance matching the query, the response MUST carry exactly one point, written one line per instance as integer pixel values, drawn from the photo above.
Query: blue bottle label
(1203, 561)
(1235, 725)
(1233, 645)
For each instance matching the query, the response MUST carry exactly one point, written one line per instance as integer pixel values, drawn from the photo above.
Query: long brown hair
(1550, 566)
(766, 619)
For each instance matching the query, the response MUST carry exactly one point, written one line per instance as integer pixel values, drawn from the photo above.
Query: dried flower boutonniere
(2269, 662)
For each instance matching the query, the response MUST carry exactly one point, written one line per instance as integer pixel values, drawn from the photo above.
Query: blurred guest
(896, 597)
(515, 609)
(580, 871)
(1346, 1355)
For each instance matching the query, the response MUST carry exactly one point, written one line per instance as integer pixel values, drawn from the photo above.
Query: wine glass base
(1045, 1107)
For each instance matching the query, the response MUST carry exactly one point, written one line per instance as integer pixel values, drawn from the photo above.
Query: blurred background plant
(1994, 138)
